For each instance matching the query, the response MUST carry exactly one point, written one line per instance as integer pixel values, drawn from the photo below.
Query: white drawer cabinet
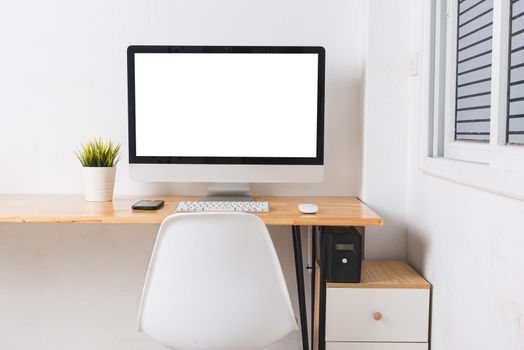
(376, 346)
(388, 310)
(351, 312)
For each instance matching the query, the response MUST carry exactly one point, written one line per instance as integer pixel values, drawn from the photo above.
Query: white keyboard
(244, 206)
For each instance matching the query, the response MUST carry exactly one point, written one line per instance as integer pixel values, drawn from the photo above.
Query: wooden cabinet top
(386, 274)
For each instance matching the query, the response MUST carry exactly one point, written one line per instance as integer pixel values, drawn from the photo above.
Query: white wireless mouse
(308, 208)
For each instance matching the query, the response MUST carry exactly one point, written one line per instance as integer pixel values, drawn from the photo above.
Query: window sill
(483, 177)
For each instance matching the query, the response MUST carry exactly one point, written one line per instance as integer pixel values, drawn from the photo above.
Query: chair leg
(299, 270)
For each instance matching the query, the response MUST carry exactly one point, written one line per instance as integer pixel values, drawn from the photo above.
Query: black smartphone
(148, 205)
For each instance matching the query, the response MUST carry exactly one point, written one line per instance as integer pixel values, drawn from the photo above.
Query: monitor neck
(228, 191)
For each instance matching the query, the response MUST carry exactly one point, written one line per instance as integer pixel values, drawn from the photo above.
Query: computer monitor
(226, 114)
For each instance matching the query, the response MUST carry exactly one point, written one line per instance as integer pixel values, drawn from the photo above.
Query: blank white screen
(226, 105)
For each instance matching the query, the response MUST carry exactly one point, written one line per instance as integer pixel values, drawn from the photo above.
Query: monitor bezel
(134, 159)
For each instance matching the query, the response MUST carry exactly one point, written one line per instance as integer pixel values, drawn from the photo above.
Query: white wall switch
(413, 64)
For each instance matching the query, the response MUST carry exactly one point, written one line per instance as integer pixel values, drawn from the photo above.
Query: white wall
(63, 81)
(468, 243)
(385, 133)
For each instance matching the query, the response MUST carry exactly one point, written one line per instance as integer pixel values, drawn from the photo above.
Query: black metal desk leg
(299, 269)
(313, 282)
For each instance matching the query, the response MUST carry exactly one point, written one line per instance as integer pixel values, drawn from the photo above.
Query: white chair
(215, 282)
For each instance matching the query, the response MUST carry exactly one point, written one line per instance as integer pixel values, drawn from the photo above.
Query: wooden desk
(70, 209)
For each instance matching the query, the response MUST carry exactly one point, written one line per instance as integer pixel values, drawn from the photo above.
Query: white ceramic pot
(99, 183)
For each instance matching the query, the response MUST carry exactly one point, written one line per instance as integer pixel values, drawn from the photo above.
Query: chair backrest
(215, 282)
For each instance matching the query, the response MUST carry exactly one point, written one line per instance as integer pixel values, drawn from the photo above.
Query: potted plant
(99, 159)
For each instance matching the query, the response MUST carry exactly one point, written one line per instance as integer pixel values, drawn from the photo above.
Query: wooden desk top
(69, 209)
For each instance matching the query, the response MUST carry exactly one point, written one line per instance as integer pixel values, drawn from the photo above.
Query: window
(476, 100)
(478, 80)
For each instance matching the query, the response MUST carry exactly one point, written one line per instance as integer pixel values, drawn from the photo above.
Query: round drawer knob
(377, 316)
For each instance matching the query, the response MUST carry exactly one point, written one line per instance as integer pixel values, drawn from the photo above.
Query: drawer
(376, 346)
(350, 315)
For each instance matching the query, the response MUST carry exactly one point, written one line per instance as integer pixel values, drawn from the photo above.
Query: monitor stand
(228, 191)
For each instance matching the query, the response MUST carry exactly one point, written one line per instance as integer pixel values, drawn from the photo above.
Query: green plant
(99, 153)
